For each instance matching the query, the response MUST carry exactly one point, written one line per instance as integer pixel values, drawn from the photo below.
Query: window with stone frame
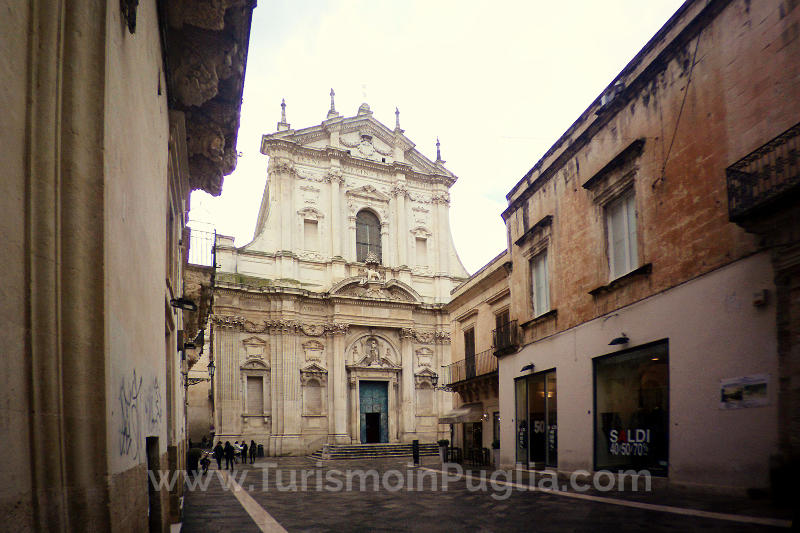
(425, 399)
(311, 235)
(620, 217)
(540, 284)
(255, 395)
(469, 352)
(368, 235)
(312, 397)
(422, 251)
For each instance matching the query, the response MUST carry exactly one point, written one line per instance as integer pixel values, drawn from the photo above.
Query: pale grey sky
(498, 82)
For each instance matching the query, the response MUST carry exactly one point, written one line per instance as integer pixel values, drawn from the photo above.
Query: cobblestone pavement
(394, 508)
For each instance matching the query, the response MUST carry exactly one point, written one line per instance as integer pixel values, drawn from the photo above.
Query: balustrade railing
(506, 338)
(483, 363)
(201, 248)
(764, 175)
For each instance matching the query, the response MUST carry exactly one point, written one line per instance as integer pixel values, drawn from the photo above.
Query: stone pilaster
(338, 373)
(407, 384)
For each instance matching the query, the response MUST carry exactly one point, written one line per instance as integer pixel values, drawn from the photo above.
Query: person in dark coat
(253, 451)
(244, 452)
(219, 452)
(230, 455)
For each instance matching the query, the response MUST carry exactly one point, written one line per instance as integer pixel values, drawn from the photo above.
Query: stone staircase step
(373, 451)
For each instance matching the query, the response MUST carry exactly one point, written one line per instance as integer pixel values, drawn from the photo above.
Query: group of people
(230, 451)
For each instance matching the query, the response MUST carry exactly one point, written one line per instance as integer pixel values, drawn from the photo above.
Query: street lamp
(211, 369)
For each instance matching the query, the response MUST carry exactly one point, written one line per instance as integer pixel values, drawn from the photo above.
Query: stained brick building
(632, 286)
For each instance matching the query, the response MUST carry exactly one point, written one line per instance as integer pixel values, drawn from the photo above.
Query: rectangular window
(540, 289)
(631, 391)
(422, 251)
(622, 245)
(255, 395)
(469, 352)
(501, 319)
(310, 235)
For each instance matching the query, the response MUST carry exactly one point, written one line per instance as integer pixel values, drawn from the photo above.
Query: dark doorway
(373, 430)
(374, 411)
(153, 494)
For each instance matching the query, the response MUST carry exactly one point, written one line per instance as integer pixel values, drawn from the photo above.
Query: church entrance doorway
(373, 427)
(374, 411)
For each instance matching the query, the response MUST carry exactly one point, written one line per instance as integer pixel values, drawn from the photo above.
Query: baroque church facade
(330, 327)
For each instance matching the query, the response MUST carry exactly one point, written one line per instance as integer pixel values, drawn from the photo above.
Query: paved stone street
(455, 509)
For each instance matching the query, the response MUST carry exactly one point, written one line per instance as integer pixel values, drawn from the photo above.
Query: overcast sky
(498, 82)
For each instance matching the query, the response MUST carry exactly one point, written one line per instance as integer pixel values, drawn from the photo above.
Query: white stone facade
(299, 315)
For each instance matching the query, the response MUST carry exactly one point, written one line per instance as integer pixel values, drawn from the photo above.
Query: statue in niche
(355, 353)
(374, 357)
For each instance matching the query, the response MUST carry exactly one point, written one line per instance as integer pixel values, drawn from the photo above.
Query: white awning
(470, 412)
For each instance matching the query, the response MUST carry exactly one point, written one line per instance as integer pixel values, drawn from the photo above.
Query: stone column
(338, 382)
(351, 232)
(336, 216)
(286, 188)
(402, 227)
(443, 237)
(355, 438)
(228, 392)
(407, 384)
(386, 260)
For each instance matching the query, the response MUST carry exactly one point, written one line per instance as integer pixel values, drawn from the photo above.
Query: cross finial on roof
(283, 125)
(396, 118)
(438, 151)
(332, 111)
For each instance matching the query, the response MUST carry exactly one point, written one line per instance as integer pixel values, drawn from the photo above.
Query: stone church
(329, 327)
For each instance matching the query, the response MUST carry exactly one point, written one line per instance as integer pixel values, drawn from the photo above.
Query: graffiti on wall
(152, 406)
(141, 411)
(130, 431)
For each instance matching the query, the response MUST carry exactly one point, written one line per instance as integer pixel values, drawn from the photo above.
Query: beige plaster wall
(714, 333)
(136, 123)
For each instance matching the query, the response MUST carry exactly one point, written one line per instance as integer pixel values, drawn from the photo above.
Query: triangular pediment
(255, 363)
(426, 373)
(379, 144)
(314, 368)
(370, 192)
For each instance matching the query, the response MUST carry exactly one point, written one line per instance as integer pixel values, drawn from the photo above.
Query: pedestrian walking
(252, 452)
(244, 453)
(219, 452)
(230, 456)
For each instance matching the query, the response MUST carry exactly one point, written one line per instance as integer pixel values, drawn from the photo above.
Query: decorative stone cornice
(280, 326)
(425, 336)
(440, 198)
(322, 156)
(206, 45)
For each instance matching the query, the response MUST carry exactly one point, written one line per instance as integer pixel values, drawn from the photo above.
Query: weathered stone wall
(699, 102)
(16, 499)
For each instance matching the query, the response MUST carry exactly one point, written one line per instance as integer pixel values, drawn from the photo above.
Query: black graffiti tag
(129, 430)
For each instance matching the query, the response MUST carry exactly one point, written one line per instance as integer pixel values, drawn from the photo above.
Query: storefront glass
(631, 409)
(521, 418)
(537, 430)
